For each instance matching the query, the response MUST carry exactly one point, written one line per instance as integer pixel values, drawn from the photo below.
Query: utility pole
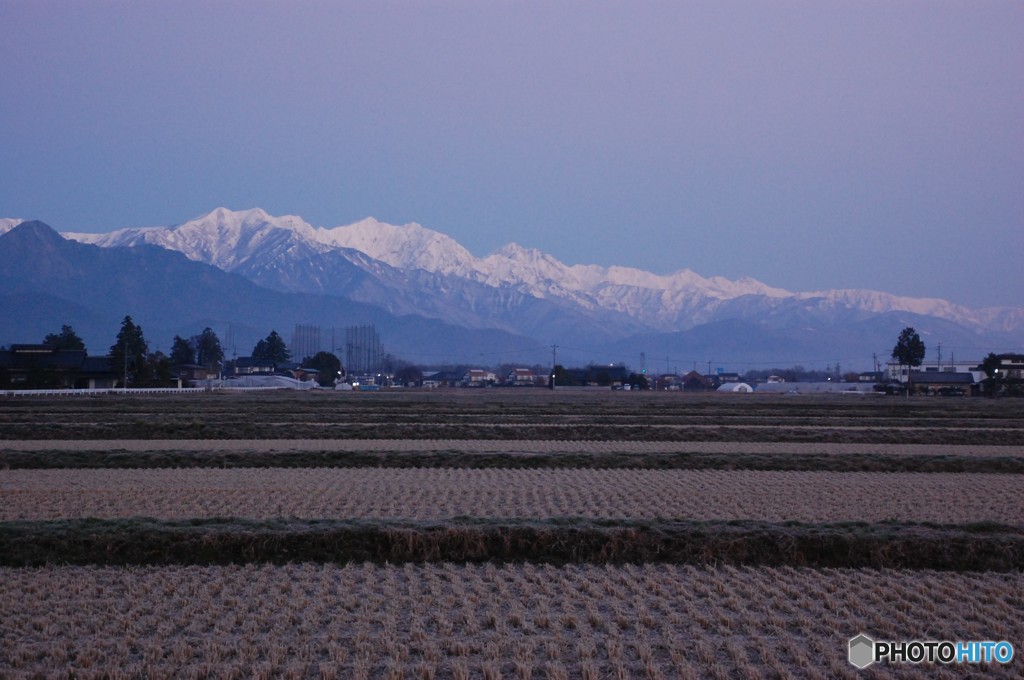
(938, 358)
(554, 362)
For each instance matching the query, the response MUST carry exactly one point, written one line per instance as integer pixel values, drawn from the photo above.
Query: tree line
(130, 356)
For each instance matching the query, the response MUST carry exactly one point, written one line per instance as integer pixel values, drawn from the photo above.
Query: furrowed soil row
(440, 493)
(517, 446)
(450, 621)
(518, 415)
(531, 454)
(947, 433)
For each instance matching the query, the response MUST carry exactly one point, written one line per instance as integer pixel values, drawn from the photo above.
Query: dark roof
(40, 356)
(246, 362)
(942, 378)
(96, 365)
(25, 347)
(446, 376)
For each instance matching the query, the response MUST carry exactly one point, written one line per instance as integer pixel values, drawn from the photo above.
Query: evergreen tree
(208, 350)
(271, 348)
(159, 369)
(66, 339)
(182, 352)
(128, 353)
(909, 350)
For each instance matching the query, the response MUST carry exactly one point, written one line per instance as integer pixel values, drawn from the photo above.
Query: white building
(899, 373)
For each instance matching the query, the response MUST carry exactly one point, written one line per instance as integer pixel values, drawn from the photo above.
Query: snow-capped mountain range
(412, 270)
(250, 240)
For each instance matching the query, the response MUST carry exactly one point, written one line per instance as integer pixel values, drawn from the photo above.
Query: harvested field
(440, 493)
(504, 533)
(521, 621)
(482, 454)
(513, 415)
(553, 446)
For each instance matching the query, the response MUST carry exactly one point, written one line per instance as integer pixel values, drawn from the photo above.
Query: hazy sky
(810, 145)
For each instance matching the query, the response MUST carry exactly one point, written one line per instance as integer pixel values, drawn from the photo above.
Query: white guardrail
(131, 390)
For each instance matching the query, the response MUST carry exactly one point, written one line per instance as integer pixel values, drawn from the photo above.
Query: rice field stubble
(487, 621)
(521, 619)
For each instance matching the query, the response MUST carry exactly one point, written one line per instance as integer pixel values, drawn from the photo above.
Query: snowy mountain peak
(410, 246)
(8, 223)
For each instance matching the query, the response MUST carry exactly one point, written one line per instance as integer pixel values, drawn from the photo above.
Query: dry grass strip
(968, 547)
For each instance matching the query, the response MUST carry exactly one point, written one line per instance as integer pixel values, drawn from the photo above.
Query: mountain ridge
(517, 298)
(666, 303)
(47, 281)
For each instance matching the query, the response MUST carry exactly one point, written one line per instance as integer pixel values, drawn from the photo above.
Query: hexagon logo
(862, 651)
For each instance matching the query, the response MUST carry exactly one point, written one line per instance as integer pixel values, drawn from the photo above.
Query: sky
(811, 145)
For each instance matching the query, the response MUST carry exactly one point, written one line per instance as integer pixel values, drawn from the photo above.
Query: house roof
(249, 362)
(445, 376)
(40, 356)
(96, 365)
(942, 378)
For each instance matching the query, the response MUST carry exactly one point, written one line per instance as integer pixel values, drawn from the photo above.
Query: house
(1011, 367)
(96, 374)
(250, 366)
(41, 367)
(476, 377)
(304, 374)
(194, 373)
(443, 379)
(599, 375)
(519, 377)
(896, 372)
(695, 382)
(943, 382)
(1007, 374)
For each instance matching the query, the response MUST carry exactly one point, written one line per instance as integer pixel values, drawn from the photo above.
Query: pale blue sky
(810, 145)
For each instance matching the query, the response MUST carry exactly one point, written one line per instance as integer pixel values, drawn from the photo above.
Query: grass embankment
(977, 547)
